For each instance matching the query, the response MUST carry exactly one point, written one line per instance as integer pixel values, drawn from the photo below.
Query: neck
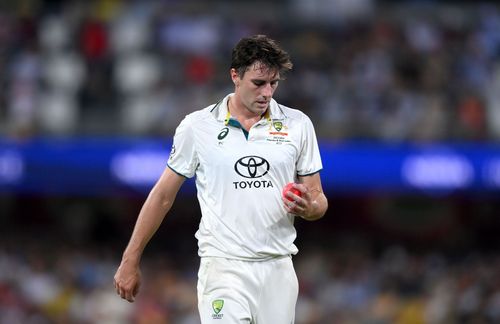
(244, 116)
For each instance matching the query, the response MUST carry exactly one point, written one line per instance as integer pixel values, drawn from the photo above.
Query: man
(243, 151)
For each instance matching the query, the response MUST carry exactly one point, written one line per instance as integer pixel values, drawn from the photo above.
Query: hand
(127, 280)
(304, 205)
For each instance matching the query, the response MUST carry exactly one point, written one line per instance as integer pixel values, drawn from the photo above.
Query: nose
(267, 91)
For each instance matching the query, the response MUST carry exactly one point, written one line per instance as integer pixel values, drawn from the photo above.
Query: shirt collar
(274, 112)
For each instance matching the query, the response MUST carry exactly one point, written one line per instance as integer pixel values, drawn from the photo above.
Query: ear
(235, 77)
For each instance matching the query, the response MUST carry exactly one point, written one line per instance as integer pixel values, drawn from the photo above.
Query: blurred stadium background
(405, 96)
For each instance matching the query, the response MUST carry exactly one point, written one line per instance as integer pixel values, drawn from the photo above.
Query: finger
(118, 288)
(136, 290)
(300, 187)
(129, 296)
(297, 202)
(292, 196)
(285, 201)
(291, 204)
(298, 210)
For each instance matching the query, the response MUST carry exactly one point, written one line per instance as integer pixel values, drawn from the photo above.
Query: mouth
(263, 103)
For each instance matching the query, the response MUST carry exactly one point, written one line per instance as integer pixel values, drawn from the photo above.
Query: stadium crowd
(363, 69)
(337, 286)
(57, 267)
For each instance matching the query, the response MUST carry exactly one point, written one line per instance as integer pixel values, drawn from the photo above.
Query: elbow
(319, 210)
(165, 203)
(163, 200)
(313, 217)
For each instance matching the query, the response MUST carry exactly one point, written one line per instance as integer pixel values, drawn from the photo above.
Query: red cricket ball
(289, 187)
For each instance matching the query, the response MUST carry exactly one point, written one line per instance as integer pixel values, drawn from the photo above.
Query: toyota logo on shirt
(251, 167)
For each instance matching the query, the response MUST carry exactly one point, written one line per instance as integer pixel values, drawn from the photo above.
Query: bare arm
(313, 203)
(160, 199)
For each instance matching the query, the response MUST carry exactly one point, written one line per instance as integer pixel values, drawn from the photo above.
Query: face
(255, 89)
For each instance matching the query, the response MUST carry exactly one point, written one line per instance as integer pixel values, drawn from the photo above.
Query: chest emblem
(278, 129)
(278, 133)
(252, 166)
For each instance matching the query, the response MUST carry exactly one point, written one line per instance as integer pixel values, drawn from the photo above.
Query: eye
(258, 83)
(274, 83)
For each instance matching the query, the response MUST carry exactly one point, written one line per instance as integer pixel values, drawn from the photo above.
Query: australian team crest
(217, 306)
(280, 133)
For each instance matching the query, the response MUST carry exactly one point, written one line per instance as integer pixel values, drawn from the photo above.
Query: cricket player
(243, 151)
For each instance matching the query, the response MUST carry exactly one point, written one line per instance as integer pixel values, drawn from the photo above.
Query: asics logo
(223, 133)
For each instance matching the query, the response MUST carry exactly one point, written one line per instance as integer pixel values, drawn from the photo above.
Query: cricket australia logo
(280, 133)
(217, 306)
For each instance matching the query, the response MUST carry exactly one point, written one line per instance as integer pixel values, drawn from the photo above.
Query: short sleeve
(309, 161)
(183, 159)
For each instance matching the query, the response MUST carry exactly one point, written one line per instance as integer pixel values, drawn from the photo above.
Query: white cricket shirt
(239, 177)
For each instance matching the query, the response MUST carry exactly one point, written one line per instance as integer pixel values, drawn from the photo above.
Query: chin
(261, 111)
(262, 108)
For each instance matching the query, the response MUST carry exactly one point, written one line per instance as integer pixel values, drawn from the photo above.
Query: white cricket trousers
(256, 292)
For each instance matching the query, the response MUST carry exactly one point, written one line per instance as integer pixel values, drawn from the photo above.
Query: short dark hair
(262, 49)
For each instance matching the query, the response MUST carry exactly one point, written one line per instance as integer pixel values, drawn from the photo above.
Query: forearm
(150, 217)
(160, 199)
